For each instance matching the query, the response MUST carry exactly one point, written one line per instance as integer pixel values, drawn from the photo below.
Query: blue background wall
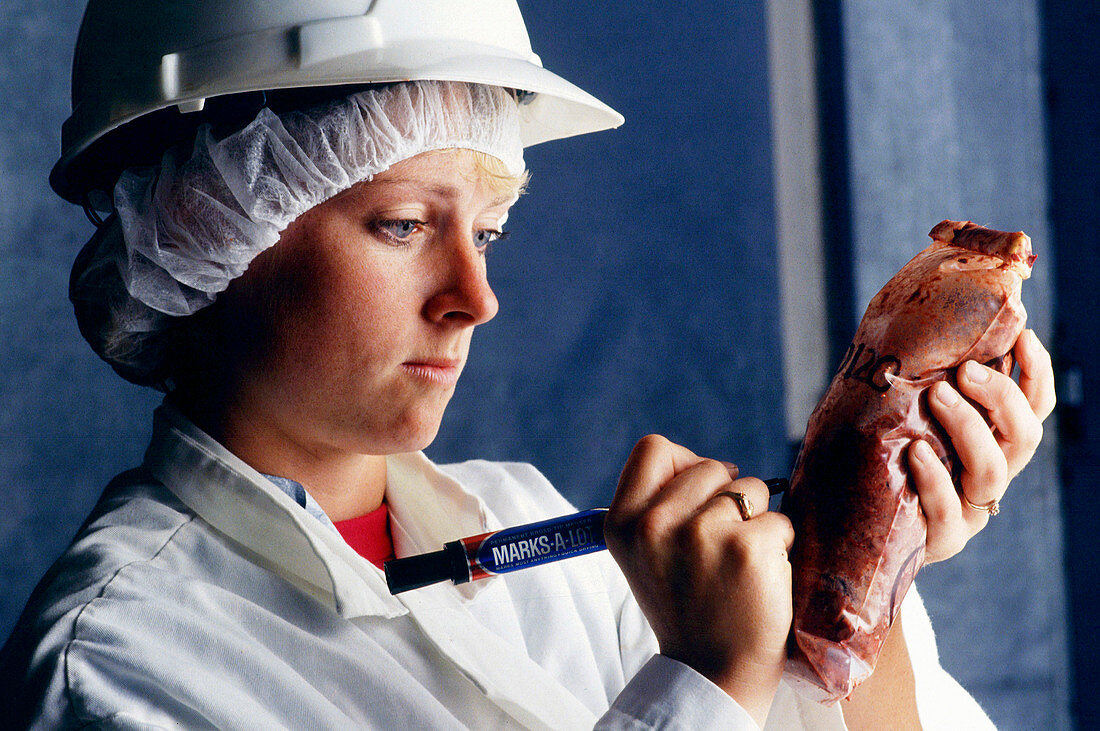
(66, 424)
(638, 289)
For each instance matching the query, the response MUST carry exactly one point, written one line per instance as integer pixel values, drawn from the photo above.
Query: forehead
(450, 173)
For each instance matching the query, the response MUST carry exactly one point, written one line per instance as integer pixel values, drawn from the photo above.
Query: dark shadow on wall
(1072, 69)
(836, 187)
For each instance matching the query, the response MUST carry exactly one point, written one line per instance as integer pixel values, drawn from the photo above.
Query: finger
(749, 494)
(653, 462)
(715, 518)
(764, 542)
(718, 527)
(985, 469)
(706, 533)
(1018, 429)
(776, 525)
(1036, 373)
(949, 528)
(682, 496)
(755, 491)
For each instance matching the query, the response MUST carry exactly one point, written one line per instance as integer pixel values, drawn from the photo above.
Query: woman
(304, 284)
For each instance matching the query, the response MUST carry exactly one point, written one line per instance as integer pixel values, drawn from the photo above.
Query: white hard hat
(136, 59)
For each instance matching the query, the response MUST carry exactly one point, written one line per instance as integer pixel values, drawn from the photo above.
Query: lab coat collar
(429, 508)
(245, 506)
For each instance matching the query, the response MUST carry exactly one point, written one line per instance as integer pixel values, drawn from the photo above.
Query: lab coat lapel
(427, 509)
(218, 486)
(501, 669)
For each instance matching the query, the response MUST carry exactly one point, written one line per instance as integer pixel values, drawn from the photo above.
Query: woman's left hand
(990, 457)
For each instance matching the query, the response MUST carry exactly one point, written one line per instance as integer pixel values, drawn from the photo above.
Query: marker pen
(501, 551)
(509, 549)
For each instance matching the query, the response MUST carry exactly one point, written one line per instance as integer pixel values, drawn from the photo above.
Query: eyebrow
(444, 191)
(501, 200)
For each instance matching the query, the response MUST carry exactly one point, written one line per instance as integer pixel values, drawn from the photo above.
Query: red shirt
(369, 535)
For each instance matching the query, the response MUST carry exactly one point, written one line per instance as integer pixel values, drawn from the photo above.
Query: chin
(410, 434)
(419, 441)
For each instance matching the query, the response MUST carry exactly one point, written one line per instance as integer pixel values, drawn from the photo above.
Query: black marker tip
(777, 485)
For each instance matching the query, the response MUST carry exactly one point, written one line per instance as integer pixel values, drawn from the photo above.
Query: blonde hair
(493, 172)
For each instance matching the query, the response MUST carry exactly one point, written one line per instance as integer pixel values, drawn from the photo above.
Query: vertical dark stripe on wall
(836, 189)
(1072, 68)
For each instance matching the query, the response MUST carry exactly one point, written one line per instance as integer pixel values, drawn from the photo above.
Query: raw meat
(859, 530)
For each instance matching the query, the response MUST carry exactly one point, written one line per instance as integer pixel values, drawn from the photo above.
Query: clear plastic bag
(860, 533)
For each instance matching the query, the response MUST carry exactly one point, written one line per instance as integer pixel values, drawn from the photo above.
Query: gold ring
(744, 506)
(992, 507)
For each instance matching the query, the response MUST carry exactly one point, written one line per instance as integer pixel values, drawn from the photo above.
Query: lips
(443, 371)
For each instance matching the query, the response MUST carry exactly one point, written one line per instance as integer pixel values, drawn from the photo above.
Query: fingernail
(975, 372)
(734, 470)
(945, 394)
(924, 451)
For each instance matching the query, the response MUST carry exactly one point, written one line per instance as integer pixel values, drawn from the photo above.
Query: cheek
(348, 314)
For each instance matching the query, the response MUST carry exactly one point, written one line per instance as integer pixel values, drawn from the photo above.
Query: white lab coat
(200, 595)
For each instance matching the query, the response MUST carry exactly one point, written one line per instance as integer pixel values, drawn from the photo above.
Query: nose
(463, 295)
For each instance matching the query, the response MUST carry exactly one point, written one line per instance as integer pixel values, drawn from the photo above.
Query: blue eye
(486, 236)
(399, 229)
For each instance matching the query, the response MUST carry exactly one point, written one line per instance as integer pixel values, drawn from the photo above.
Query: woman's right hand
(715, 588)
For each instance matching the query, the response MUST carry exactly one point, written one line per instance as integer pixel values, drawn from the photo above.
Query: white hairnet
(185, 229)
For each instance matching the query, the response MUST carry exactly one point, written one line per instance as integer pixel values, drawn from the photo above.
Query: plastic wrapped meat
(859, 530)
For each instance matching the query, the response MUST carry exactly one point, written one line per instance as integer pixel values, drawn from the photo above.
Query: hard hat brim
(550, 107)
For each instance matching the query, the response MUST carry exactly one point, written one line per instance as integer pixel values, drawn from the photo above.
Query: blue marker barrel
(517, 548)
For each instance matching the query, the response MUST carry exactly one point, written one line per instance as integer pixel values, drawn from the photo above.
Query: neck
(345, 484)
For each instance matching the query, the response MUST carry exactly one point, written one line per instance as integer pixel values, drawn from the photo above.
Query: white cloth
(200, 595)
